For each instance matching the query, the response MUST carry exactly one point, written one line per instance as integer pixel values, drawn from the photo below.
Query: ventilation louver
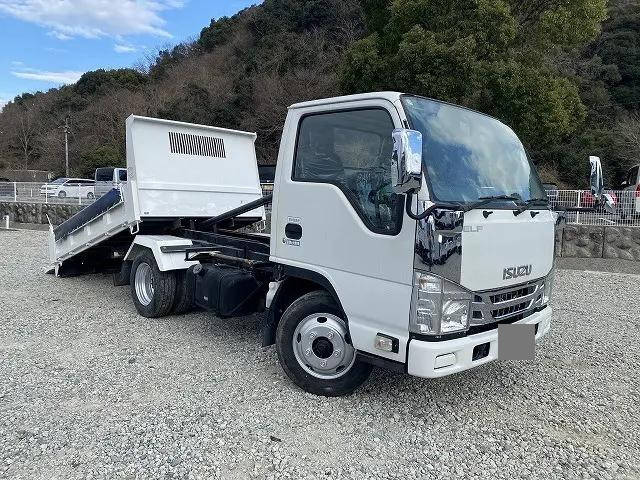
(189, 144)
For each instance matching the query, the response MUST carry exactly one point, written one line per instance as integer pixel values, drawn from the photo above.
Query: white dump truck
(404, 230)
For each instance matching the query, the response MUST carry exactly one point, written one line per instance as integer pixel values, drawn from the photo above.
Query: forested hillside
(564, 75)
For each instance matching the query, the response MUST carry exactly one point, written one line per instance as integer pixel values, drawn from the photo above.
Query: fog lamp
(386, 343)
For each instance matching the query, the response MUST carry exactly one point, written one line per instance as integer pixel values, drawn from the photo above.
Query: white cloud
(59, 78)
(93, 18)
(59, 35)
(122, 48)
(3, 102)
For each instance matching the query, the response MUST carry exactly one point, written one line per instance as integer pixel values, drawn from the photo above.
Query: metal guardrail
(626, 202)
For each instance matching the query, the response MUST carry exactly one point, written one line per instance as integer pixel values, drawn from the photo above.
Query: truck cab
(423, 295)
(108, 178)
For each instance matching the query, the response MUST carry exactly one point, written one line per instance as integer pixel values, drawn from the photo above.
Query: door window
(352, 150)
(104, 175)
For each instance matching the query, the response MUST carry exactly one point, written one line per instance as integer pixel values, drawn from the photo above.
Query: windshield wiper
(485, 200)
(542, 202)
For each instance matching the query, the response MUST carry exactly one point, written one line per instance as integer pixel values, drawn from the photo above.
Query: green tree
(101, 156)
(217, 33)
(619, 45)
(101, 82)
(486, 54)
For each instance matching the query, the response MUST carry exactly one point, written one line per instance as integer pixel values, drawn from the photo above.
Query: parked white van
(69, 187)
(109, 177)
(631, 196)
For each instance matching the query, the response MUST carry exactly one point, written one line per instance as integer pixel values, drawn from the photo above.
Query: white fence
(70, 193)
(627, 202)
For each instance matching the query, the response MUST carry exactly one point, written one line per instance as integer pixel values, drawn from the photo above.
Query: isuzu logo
(516, 272)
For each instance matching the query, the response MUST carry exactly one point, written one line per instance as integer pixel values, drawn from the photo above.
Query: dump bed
(175, 171)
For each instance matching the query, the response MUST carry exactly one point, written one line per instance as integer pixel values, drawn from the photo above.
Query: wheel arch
(297, 282)
(168, 251)
(134, 250)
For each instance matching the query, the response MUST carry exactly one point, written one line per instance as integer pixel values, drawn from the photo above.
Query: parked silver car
(69, 187)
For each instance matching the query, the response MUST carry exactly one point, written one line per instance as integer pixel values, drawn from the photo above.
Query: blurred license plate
(516, 342)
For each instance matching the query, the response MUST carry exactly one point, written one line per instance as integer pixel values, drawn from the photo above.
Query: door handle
(293, 231)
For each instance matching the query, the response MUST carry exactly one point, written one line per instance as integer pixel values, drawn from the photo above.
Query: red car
(588, 200)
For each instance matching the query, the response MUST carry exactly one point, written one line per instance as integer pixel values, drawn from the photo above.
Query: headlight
(439, 306)
(455, 316)
(548, 287)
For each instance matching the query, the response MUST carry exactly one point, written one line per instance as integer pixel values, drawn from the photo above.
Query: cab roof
(390, 96)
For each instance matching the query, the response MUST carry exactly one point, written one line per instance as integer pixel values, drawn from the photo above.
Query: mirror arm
(420, 216)
(428, 211)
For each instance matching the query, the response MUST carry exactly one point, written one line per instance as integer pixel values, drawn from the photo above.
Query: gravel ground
(88, 389)
(610, 265)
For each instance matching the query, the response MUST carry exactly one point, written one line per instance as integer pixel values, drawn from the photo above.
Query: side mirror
(406, 161)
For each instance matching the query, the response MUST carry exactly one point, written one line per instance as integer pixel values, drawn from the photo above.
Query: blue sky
(47, 43)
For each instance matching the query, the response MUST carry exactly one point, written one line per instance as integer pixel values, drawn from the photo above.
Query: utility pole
(66, 146)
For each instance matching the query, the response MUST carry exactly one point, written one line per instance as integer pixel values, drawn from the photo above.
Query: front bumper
(424, 358)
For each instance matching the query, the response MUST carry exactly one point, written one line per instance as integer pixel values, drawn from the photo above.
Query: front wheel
(315, 349)
(153, 291)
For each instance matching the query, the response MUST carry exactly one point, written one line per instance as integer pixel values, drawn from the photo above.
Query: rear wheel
(90, 195)
(183, 302)
(62, 194)
(153, 291)
(315, 349)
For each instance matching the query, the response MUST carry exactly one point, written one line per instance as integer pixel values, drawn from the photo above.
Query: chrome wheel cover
(321, 346)
(144, 284)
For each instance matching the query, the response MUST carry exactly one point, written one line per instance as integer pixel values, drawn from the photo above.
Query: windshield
(104, 174)
(468, 155)
(58, 181)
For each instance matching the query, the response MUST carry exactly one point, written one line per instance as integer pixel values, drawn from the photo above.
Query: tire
(316, 313)
(90, 195)
(62, 194)
(155, 301)
(183, 302)
(123, 276)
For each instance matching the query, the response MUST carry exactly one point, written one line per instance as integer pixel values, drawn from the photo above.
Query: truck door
(338, 216)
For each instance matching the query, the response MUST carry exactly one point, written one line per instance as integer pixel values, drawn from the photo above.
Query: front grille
(505, 312)
(506, 296)
(513, 303)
